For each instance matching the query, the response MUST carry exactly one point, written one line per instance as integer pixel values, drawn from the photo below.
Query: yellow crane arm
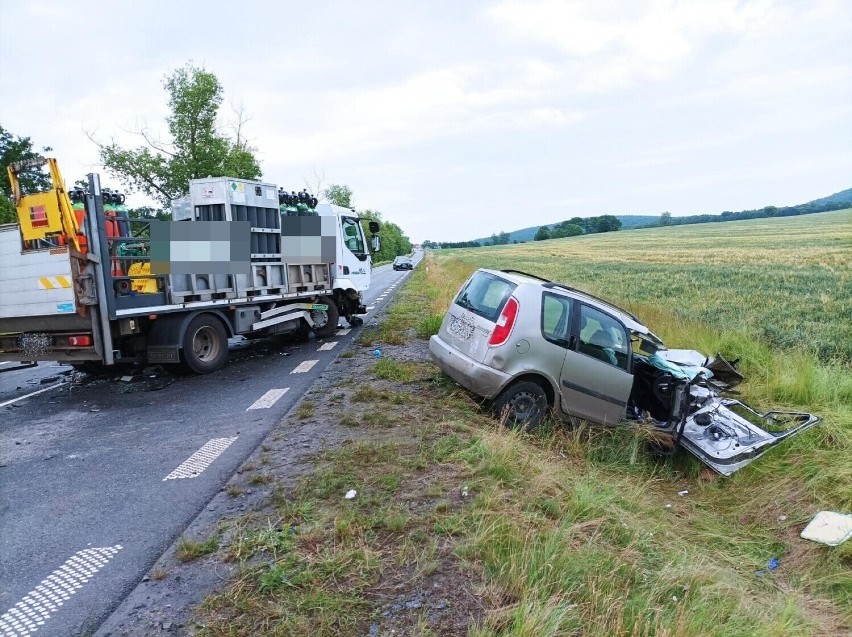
(44, 214)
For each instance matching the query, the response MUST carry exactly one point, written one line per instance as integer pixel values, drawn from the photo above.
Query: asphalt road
(98, 479)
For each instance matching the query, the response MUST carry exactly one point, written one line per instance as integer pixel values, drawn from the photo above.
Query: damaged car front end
(680, 393)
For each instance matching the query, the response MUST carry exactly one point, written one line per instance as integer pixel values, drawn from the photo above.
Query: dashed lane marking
(35, 393)
(201, 459)
(344, 332)
(268, 399)
(29, 614)
(327, 346)
(370, 307)
(304, 366)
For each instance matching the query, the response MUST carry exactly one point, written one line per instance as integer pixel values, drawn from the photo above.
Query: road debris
(350, 494)
(829, 528)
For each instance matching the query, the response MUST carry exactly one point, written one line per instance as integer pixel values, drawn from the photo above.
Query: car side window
(555, 318)
(603, 337)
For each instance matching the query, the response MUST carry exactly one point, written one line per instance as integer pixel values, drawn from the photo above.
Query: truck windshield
(352, 237)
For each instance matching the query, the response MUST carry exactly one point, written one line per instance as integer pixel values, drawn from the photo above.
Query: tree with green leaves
(14, 149)
(196, 146)
(665, 219)
(542, 234)
(339, 195)
(565, 229)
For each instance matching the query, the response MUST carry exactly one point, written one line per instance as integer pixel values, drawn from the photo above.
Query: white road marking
(344, 332)
(370, 307)
(304, 366)
(201, 459)
(327, 346)
(6, 363)
(25, 617)
(40, 391)
(268, 399)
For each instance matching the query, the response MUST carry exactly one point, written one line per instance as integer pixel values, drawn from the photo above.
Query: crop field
(786, 282)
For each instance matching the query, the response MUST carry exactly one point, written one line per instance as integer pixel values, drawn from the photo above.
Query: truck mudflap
(726, 434)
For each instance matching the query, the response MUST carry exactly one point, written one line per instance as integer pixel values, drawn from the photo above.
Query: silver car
(532, 346)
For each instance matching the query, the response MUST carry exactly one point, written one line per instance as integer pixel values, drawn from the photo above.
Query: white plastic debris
(464, 491)
(829, 527)
(781, 518)
(684, 492)
(668, 506)
(126, 379)
(350, 494)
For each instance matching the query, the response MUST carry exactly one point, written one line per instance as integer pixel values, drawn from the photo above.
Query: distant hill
(831, 202)
(627, 221)
(844, 196)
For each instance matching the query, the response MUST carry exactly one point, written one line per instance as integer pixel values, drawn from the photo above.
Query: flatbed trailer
(103, 304)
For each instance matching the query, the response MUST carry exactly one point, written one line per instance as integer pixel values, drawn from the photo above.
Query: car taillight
(505, 323)
(80, 341)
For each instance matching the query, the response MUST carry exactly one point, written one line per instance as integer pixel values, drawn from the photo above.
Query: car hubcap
(523, 406)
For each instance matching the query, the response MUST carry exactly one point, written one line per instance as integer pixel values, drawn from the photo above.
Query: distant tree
(196, 147)
(605, 223)
(542, 234)
(666, 219)
(565, 229)
(147, 212)
(14, 149)
(339, 195)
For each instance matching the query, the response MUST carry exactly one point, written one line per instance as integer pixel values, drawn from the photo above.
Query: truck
(80, 280)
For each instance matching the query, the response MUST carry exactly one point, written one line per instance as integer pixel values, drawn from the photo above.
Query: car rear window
(485, 295)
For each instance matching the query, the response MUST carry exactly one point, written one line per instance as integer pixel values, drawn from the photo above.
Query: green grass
(569, 530)
(188, 550)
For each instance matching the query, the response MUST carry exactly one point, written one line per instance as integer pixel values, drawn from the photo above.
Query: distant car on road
(532, 346)
(403, 263)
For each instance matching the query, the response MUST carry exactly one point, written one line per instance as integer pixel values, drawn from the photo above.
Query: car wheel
(325, 321)
(523, 405)
(205, 345)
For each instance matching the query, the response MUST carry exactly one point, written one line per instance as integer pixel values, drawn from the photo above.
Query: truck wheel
(325, 321)
(205, 345)
(522, 404)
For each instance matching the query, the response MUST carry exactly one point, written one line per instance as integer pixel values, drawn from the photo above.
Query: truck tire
(205, 344)
(523, 404)
(325, 321)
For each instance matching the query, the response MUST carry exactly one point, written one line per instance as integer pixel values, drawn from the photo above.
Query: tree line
(666, 219)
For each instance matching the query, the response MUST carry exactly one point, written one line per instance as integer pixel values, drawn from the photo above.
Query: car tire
(325, 321)
(523, 405)
(205, 345)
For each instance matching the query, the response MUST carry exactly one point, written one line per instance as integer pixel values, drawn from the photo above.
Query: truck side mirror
(374, 227)
(375, 243)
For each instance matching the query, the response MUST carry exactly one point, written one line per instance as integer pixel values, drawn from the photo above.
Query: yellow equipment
(44, 214)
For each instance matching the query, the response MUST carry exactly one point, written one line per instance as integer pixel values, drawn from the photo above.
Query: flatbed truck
(79, 288)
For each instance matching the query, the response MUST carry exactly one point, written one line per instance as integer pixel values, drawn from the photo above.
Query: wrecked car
(532, 346)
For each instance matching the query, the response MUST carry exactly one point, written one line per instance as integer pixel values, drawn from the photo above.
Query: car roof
(630, 320)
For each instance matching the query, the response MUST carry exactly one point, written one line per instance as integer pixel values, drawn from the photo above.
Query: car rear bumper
(478, 378)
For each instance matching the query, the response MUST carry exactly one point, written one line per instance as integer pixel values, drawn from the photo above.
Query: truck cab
(353, 263)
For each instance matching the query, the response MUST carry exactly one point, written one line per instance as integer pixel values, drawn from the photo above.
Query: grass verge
(459, 526)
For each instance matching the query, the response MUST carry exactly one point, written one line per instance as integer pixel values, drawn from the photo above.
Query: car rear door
(471, 318)
(596, 374)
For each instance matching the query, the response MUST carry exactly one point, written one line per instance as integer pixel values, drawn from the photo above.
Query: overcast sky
(457, 119)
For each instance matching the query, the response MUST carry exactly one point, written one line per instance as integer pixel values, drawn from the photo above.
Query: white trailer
(102, 305)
